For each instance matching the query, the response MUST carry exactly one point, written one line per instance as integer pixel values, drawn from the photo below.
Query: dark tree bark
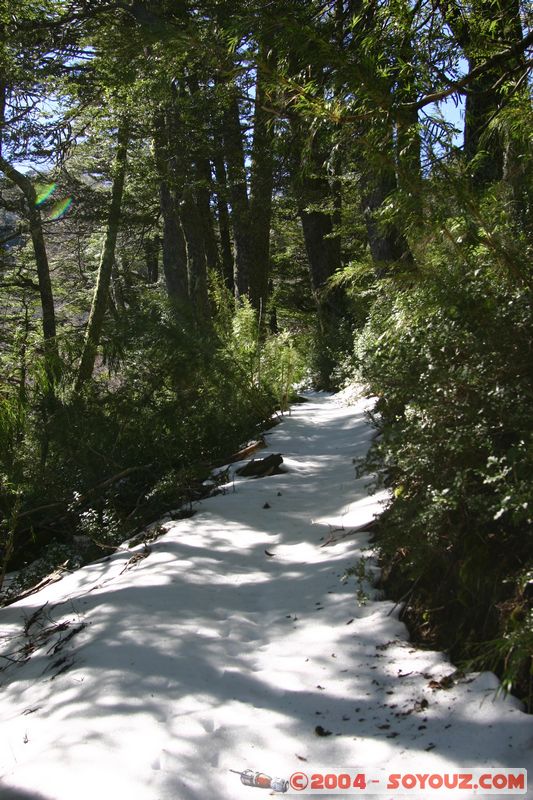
(407, 126)
(392, 159)
(196, 261)
(41, 260)
(174, 247)
(107, 261)
(151, 256)
(386, 241)
(203, 201)
(43, 272)
(203, 179)
(486, 95)
(186, 175)
(238, 192)
(261, 182)
(323, 251)
(173, 240)
(224, 221)
(324, 256)
(316, 206)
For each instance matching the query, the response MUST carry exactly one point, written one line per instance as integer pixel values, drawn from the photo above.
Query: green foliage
(167, 404)
(363, 579)
(271, 364)
(282, 366)
(449, 358)
(328, 354)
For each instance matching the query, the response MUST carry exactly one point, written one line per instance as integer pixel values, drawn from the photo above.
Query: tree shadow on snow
(11, 793)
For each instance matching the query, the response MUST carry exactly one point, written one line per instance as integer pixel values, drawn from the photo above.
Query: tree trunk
(316, 206)
(203, 201)
(323, 251)
(151, 258)
(408, 141)
(41, 260)
(261, 184)
(173, 244)
(386, 241)
(174, 247)
(480, 106)
(187, 156)
(202, 176)
(488, 93)
(196, 260)
(324, 257)
(238, 192)
(107, 260)
(224, 222)
(43, 272)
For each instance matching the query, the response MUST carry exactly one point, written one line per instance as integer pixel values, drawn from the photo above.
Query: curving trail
(151, 677)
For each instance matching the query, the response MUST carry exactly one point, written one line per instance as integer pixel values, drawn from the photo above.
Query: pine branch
(460, 86)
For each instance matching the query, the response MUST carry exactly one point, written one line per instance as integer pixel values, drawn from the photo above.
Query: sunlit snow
(208, 654)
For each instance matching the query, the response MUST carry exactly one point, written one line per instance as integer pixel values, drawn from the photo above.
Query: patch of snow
(228, 640)
(352, 393)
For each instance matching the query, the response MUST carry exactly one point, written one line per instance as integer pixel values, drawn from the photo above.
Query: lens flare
(60, 208)
(44, 191)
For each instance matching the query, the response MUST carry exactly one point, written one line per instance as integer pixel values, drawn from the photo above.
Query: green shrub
(450, 359)
(166, 404)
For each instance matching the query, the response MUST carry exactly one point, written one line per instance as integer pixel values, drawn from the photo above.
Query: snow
(205, 654)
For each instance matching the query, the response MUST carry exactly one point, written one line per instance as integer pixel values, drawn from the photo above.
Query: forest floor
(248, 636)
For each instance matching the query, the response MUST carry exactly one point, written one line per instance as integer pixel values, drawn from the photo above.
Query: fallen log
(368, 527)
(247, 451)
(261, 467)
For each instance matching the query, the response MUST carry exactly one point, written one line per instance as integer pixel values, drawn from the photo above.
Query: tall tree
(405, 91)
(486, 28)
(30, 60)
(201, 146)
(316, 207)
(26, 186)
(223, 218)
(173, 239)
(262, 173)
(237, 188)
(192, 224)
(107, 260)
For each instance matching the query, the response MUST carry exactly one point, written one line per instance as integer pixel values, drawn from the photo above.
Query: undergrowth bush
(450, 358)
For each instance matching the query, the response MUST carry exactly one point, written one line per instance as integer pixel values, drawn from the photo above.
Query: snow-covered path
(209, 654)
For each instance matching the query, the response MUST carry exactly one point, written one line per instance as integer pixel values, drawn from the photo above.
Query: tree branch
(83, 498)
(19, 179)
(459, 86)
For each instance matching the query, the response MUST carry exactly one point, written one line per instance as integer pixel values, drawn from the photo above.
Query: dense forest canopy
(204, 203)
